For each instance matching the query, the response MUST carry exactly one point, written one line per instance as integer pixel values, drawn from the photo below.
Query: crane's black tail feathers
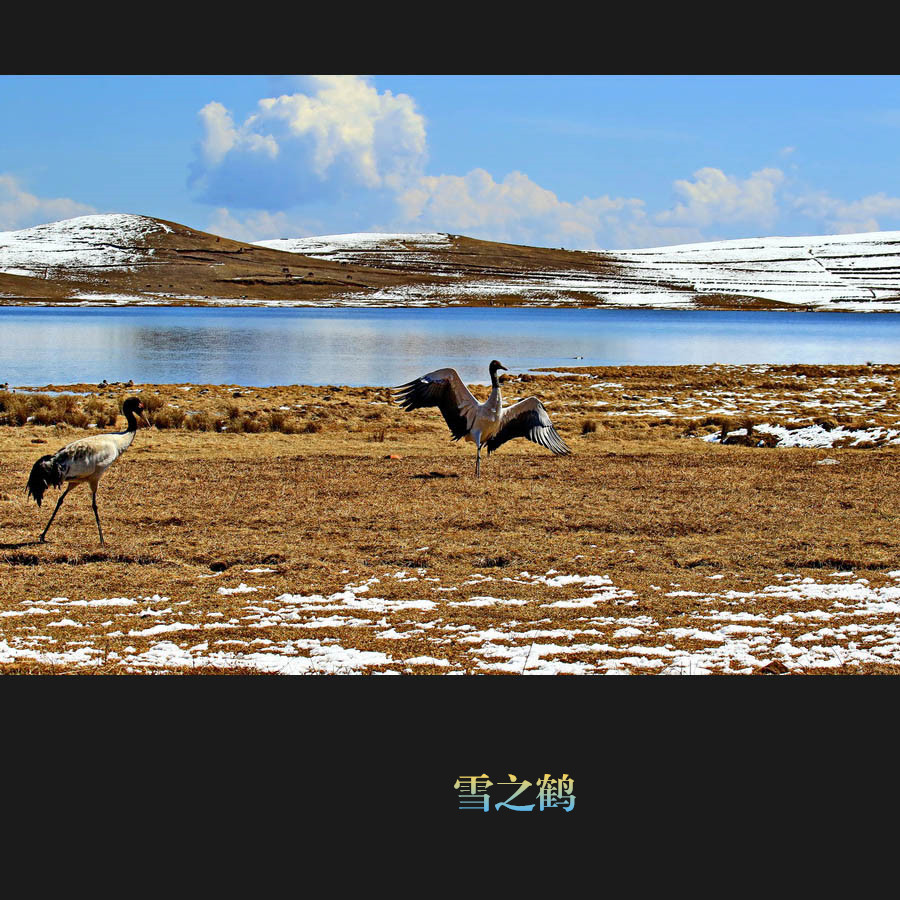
(44, 473)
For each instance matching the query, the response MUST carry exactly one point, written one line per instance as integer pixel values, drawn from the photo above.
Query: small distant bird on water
(485, 424)
(82, 461)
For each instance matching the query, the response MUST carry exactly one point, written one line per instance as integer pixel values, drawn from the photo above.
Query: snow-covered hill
(859, 271)
(137, 259)
(840, 270)
(86, 242)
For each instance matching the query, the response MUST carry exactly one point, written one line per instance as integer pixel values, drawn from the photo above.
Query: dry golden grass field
(323, 530)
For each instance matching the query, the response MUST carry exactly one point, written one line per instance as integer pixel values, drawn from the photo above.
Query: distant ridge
(123, 259)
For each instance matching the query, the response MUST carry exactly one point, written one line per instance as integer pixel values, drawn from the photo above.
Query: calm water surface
(263, 347)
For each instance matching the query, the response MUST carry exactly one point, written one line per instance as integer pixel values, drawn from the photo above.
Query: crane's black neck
(132, 420)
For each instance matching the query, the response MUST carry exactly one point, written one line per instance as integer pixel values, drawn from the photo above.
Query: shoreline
(850, 306)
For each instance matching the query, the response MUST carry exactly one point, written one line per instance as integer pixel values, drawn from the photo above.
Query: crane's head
(134, 406)
(495, 364)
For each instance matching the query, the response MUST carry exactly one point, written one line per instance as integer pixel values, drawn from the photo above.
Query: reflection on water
(389, 346)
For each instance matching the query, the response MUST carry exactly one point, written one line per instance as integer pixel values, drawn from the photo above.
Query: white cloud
(517, 210)
(714, 198)
(19, 209)
(341, 134)
(337, 140)
(876, 212)
(219, 132)
(334, 154)
(261, 225)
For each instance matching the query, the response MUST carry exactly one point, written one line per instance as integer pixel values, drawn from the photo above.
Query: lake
(253, 346)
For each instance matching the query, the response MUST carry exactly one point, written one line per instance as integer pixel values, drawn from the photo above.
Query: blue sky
(580, 161)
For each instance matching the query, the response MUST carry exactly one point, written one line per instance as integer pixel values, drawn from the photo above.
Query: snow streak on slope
(860, 271)
(87, 242)
(856, 268)
(363, 248)
(841, 272)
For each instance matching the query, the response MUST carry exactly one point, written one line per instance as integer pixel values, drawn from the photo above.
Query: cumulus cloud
(517, 210)
(20, 209)
(338, 139)
(716, 198)
(333, 153)
(341, 134)
(257, 226)
(873, 213)
(514, 210)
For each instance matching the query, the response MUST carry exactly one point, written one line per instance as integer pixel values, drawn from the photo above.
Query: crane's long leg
(55, 511)
(96, 514)
(478, 463)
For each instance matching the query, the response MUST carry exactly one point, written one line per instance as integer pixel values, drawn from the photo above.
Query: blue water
(262, 347)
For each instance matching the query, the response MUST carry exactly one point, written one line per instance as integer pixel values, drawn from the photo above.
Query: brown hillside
(195, 267)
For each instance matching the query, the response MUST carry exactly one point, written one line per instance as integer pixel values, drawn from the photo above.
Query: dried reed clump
(152, 403)
(77, 419)
(725, 425)
(169, 417)
(745, 440)
(254, 424)
(44, 415)
(202, 421)
(40, 409)
(13, 409)
(289, 426)
(234, 424)
(100, 412)
(718, 421)
(588, 426)
(283, 422)
(238, 421)
(766, 440)
(61, 409)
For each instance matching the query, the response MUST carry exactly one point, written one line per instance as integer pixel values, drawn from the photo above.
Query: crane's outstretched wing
(444, 389)
(528, 419)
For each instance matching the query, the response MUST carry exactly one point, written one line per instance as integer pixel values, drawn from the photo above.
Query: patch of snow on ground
(838, 619)
(347, 246)
(816, 436)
